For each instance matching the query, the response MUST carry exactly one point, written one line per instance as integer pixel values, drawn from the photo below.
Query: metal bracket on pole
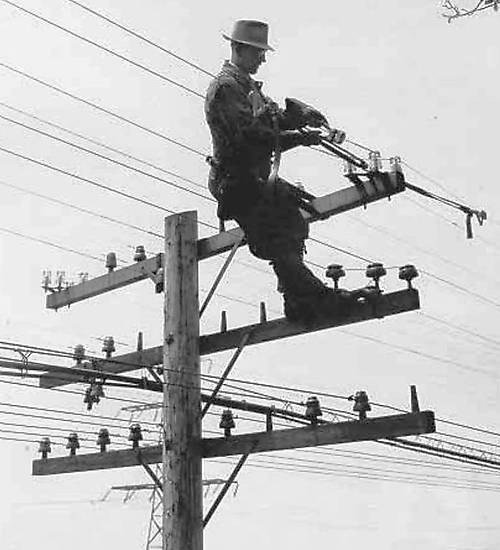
(221, 273)
(225, 489)
(154, 375)
(226, 372)
(149, 470)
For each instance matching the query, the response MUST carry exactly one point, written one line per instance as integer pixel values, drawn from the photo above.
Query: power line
(96, 183)
(102, 109)
(65, 412)
(431, 180)
(281, 466)
(105, 49)
(49, 243)
(303, 391)
(100, 144)
(104, 157)
(142, 37)
(422, 249)
(80, 209)
(486, 339)
(461, 288)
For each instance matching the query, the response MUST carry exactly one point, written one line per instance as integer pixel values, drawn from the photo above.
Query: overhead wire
(96, 184)
(364, 259)
(117, 116)
(109, 159)
(81, 209)
(141, 37)
(495, 344)
(237, 382)
(105, 49)
(100, 144)
(283, 466)
(49, 243)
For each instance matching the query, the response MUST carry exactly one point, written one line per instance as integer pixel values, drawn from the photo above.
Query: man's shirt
(245, 125)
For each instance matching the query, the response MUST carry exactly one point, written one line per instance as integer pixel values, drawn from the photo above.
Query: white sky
(396, 77)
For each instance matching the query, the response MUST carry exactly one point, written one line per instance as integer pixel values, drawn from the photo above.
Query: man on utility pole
(249, 130)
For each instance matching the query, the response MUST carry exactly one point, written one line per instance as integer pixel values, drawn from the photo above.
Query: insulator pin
(313, 409)
(73, 443)
(361, 404)
(227, 422)
(135, 435)
(45, 447)
(103, 439)
(335, 272)
(140, 253)
(408, 273)
(111, 261)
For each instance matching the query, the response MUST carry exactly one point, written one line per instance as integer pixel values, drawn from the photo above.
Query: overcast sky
(396, 77)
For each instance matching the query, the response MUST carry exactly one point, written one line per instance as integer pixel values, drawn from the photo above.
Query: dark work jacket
(246, 127)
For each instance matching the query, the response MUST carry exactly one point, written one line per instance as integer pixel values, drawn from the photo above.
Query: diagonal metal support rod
(149, 470)
(154, 375)
(230, 480)
(221, 273)
(226, 372)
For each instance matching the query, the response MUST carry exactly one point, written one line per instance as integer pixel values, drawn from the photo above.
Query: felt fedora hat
(253, 33)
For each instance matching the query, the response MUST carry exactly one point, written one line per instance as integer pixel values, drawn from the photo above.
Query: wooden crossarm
(278, 440)
(388, 304)
(326, 206)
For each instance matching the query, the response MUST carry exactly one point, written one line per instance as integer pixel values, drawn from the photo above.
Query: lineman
(247, 129)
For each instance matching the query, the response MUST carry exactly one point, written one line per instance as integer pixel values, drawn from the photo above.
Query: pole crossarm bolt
(135, 435)
(73, 443)
(227, 422)
(361, 404)
(408, 273)
(313, 409)
(140, 253)
(103, 439)
(45, 447)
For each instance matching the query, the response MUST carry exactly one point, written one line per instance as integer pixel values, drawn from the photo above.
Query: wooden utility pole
(182, 460)
(183, 447)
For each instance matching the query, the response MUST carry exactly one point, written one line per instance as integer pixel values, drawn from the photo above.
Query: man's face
(251, 58)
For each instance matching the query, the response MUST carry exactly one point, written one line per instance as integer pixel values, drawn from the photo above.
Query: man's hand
(312, 137)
